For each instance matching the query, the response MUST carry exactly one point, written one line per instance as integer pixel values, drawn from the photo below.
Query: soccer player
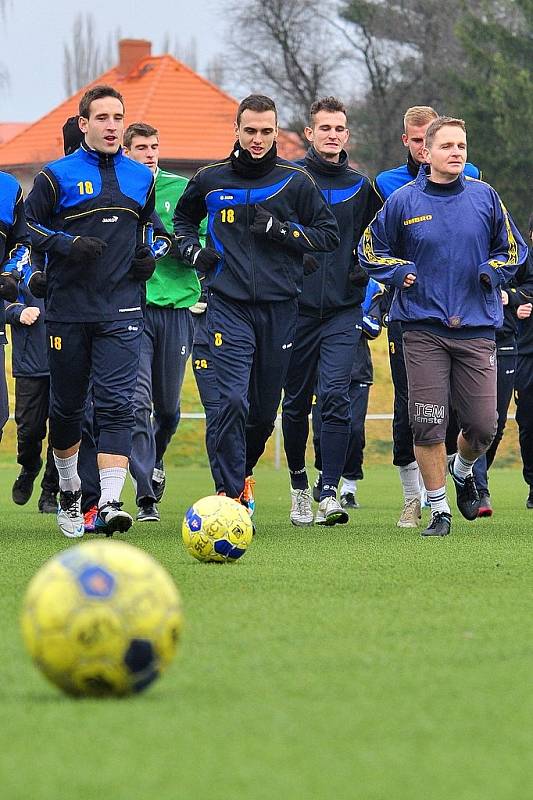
(415, 122)
(448, 246)
(89, 212)
(524, 383)
(361, 379)
(264, 215)
(30, 369)
(167, 336)
(14, 266)
(329, 320)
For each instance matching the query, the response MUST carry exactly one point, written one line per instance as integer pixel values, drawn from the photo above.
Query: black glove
(357, 276)
(265, 224)
(86, 248)
(174, 250)
(9, 287)
(143, 264)
(37, 284)
(205, 259)
(310, 264)
(485, 282)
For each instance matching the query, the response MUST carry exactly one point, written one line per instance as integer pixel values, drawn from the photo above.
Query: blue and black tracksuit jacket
(88, 193)
(391, 179)
(254, 268)
(340, 283)
(449, 241)
(14, 237)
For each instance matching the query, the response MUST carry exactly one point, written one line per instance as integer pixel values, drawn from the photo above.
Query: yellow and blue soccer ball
(217, 528)
(102, 619)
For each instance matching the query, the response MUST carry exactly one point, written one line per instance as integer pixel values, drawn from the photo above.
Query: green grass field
(357, 662)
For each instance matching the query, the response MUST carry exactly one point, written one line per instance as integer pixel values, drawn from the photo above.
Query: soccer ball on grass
(101, 619)
(217, 528)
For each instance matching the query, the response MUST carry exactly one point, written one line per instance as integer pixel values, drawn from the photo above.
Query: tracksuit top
(29, 343)
(14, 237)
(174, 284)
(91, 194)
(448, 241)
(354, 202)
(252, 268)
(525, 326)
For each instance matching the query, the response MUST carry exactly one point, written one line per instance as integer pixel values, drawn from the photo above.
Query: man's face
(257, 131)
(145, 150)
(329, 134)
(104, 128)
(414, 139)
(447, 154)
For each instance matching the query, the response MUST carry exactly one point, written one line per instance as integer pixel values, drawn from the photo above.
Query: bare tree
(215, 70)
(86, 56)
(287, 49)
(188, 53)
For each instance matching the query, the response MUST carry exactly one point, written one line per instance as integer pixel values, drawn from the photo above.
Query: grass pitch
(357, 662)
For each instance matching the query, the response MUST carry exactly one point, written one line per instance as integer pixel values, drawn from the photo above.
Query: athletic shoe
(410, 516)
(23, 487)
(317, 488)
(440, 524)
(330, 512)
(248, 494)
(159, 480)
(47, 503)
(111, 519)
(301, 511)
(485, 507)
(147, 512)
(529, 501)
(69, 516)
(89, 519)
(348, 500)
(466, 493)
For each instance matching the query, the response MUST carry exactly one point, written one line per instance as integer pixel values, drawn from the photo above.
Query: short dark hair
(96, 93)
(138, 129)
(325, 104)
(256, 102)
(439, 123)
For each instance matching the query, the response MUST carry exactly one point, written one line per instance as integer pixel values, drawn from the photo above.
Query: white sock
(461, 467)
(348, 486)
(421, 483)
(111, 483)
(437, 500)
(410, 478)
(69, 480)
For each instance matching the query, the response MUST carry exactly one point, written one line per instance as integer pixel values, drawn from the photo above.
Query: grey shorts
(460, 372)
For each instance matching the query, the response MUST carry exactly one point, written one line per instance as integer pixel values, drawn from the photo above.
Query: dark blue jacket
(449, 242)
(91, 194)
(14, 237)
(391, 179)
(254, 268)
(354, 202)
(29, 345)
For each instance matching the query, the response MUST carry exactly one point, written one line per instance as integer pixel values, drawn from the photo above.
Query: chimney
(131, 52)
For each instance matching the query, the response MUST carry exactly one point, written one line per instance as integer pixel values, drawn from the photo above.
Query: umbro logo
(110, 219)
(226, 197)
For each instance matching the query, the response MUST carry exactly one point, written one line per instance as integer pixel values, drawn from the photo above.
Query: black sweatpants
(32, 403)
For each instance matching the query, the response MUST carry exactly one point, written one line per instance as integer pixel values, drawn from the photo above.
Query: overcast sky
(32, 36)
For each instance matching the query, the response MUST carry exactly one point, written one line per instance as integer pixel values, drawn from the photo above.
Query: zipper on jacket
(252, 268)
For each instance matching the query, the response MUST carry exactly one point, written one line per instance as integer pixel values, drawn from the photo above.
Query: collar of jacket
(248, 167)
(100, 159)
(423, 177)
(412, 165)
(315, 162)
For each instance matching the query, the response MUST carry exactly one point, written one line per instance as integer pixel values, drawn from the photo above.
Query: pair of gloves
(264, 224)
(86, 250)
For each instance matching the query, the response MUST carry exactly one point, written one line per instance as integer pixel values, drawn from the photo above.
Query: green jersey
(173, 284)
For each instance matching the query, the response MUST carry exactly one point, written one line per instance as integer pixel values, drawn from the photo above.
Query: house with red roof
(193, 116)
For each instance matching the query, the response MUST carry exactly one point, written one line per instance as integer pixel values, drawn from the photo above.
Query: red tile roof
(194, 117)
(10, 129)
